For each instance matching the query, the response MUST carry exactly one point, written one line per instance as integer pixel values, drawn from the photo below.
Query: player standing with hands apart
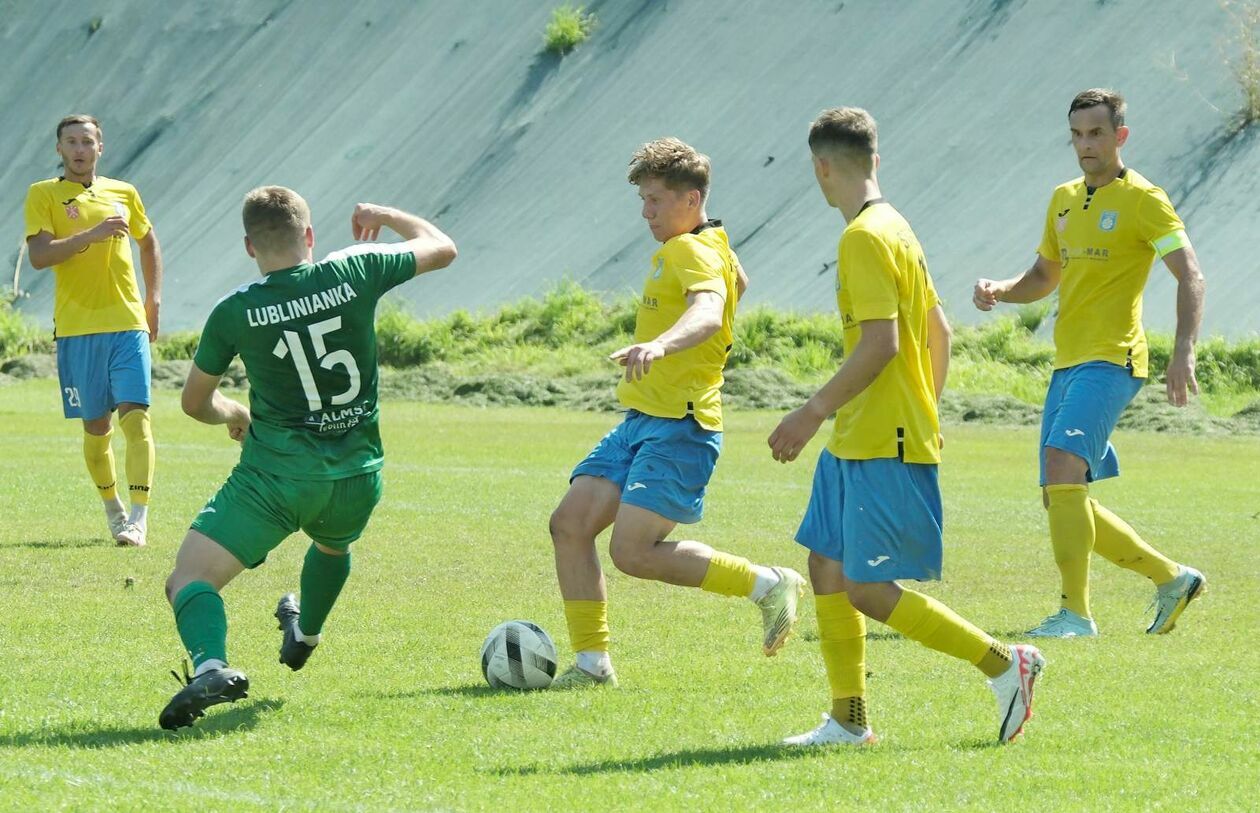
(1102, 234)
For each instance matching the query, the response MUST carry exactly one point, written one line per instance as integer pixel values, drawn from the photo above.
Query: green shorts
(255, 511)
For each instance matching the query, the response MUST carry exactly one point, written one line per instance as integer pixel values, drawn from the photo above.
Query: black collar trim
(1089, 190)
(708, 224)
(869, 204)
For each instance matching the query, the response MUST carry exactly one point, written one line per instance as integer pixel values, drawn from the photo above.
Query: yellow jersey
(882, 274)
(96, 289)
(688, 382)
(1105, 241)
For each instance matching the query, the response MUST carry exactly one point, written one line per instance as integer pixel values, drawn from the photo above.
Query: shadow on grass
(772, 752)
(240, 717)
(64, 543)
(466, 690)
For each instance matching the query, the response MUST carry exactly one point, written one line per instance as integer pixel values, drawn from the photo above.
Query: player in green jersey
(312, 455)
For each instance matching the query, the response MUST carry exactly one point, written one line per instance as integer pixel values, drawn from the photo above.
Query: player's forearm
(857, 373)
(1032, 285)
(697, 324)
(411, 227)
(151, 267)
(940, 343)
(216, 410)
(1190, 293)
(47, 253)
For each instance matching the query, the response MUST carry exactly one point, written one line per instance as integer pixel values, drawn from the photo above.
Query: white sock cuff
(207, 665)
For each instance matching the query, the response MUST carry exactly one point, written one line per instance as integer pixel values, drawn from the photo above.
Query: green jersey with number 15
(307, 338)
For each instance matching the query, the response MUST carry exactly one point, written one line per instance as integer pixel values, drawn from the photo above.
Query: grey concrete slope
(451, 109)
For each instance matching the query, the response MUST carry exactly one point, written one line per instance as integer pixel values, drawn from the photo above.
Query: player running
(874, 513)
(1103, 232)
(78, 224)
(312, 455)
(650, 472)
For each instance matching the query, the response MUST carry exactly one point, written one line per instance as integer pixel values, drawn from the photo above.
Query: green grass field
(392, 713)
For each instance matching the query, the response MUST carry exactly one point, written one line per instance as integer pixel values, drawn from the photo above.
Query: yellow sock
(842, 638)
(1116, 542)
(1072, 537)
(99, 456)
(924, 619)
(588, 625)
(138, 430)
(729, 575)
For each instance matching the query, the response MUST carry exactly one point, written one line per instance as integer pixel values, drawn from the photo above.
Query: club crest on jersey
(660, 267)
(1107, 221)
(72, 211)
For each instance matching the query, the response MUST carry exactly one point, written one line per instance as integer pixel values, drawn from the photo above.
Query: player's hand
(796, 429)
(151, 314)
(367, 220)
(985, 296)
(109, 228)
(1180, 377)
(638, 358)
(238, 424)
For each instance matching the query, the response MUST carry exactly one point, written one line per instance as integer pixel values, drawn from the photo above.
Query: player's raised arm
(430, 245)
(1184, 265)
(1036, 283)
(202, 400)
(701, 320)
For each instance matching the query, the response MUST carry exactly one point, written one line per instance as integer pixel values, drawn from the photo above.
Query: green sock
(202, 622)
(322, 579)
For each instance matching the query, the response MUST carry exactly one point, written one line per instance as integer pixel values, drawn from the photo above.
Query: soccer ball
(518, 655)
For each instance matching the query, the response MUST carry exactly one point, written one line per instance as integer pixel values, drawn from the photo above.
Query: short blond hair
(675, 163)
(848, 130)
(275, 218)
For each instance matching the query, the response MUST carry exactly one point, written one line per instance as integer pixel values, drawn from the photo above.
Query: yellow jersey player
(1102, 234)
(650, 472)
(79, 224)
(874, 513)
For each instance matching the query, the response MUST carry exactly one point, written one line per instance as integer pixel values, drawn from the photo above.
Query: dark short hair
(675, 163)
(275, 217)
(1096, 96)
(78, 118)
(849, 129)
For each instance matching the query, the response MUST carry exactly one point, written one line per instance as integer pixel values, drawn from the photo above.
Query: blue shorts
(1083, 404)
(99, 371)
(661, 464)
(880, 518)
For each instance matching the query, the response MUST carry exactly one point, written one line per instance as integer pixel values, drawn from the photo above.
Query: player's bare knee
(564, 526)
(630, 558)
(331, 551)
(97, 426)
(1064, 468)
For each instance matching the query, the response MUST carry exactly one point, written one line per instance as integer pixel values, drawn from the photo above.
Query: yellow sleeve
(1158, 223)
(870, 273)
(137, 220)
(38, 212)
(1049, 247)
(696, 267)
